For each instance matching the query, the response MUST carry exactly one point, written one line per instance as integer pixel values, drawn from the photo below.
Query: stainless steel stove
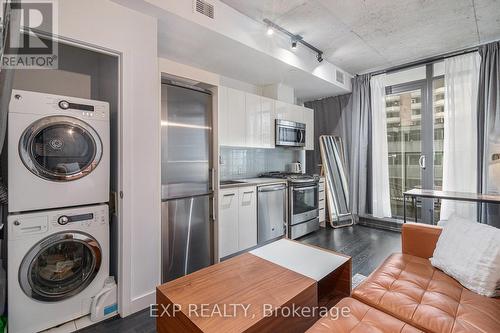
(303, 202)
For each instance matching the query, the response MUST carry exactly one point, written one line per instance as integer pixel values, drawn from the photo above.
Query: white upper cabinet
(308, 115)
(296, 113)
(283, 110)
(268, 116)
(248, 120)
(253, 121)
(290, 112)
(235, 118)
(222, 116)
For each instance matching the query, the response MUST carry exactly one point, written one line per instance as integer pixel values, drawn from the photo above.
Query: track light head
(270, 31)
(294, 44)
(319, 57)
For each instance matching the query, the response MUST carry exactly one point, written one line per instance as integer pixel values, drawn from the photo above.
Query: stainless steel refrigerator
(187, 180)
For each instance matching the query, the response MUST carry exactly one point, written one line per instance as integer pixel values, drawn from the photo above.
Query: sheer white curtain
(460, 132)
(381, 200)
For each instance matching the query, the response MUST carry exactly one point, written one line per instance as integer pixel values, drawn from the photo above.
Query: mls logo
(29, 28)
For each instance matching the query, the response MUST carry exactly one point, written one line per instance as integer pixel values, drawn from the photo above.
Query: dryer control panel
(46, 104)
(85, 110)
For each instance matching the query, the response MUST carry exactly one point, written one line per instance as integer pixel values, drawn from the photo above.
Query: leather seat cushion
(412, 290)
(361, 318)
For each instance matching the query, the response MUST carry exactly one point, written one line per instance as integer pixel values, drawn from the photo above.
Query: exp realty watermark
(246, 310)
(27, 38)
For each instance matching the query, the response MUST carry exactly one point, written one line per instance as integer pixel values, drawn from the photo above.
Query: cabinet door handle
(248, 192)
(229, 195)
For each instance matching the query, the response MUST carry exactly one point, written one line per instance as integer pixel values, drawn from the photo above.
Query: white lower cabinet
(237, 219)
(228, 222)
(247, 218)
(322, 202)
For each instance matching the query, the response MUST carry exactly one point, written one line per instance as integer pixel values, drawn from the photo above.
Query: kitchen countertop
(254, 182)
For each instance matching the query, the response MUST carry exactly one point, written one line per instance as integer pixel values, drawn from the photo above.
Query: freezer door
(186, 138)
(271, 208)
(187, 236)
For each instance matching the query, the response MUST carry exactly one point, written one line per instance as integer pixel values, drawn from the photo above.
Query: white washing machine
(57, 261)
(59, 151)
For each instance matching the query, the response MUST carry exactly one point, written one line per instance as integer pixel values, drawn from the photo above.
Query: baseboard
(385, 224)
(139, 303)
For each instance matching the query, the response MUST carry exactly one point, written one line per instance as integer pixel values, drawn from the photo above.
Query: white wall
(106, 24)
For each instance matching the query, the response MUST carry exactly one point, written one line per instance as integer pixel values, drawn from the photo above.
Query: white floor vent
(204, 8)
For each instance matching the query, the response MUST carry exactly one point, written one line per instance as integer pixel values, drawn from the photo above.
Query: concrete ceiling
(365, 35)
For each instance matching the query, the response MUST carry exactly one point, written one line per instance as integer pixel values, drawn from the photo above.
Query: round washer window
(60, 266)
(60, 148)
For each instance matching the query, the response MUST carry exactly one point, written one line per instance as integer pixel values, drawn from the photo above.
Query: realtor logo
(29, 28)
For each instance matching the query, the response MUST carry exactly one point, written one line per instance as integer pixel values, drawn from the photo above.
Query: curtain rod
(425, 61)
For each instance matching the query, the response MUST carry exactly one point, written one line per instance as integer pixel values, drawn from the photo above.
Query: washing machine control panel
(83, 219)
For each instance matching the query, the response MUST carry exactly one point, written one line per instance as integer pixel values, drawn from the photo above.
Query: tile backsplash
(242, 162)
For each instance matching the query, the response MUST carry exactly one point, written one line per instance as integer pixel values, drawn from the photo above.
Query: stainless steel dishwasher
(271, 212)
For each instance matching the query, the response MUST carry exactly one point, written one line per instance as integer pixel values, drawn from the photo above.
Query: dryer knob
(62, 220)
(64, 105)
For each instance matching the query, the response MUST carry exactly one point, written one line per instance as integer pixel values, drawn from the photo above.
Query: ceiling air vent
(204, 8)
(339, 76)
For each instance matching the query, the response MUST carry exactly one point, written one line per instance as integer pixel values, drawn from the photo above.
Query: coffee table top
(310, 261)
(245, 279)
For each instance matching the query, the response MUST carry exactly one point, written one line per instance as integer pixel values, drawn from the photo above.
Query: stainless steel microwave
(290, 133)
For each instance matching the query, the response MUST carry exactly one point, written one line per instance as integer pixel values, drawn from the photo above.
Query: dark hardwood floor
(367, 246)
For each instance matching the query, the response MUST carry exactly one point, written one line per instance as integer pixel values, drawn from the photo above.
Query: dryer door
(60, 148)
(60, 266)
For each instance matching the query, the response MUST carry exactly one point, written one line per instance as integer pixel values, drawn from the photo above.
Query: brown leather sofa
(407, 294)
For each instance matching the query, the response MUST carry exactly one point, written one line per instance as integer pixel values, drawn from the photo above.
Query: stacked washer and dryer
(57, 228)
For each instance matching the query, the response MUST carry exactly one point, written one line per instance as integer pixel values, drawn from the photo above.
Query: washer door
(60, 266)
(60, 148)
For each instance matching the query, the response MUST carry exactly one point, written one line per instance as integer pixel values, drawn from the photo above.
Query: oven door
(303, 203)
(290, 134)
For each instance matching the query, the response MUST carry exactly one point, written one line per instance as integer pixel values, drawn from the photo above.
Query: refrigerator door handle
(212, 179)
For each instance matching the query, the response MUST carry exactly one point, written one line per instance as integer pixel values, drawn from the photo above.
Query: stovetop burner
(290, 176)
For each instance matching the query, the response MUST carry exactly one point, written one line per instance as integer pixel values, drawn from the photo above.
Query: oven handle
(305, 188)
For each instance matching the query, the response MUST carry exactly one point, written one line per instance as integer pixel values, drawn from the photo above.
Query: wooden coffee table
(256, 291)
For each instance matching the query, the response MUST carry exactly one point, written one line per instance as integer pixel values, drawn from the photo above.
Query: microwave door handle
(301, 136)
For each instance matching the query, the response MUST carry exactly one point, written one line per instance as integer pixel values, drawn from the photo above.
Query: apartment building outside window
(415, 132)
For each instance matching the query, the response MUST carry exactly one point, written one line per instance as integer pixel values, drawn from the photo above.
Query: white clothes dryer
(59, 151)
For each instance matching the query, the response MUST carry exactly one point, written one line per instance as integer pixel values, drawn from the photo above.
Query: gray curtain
(359, 146)
(489, 129)
(348, 116)
(329, 116)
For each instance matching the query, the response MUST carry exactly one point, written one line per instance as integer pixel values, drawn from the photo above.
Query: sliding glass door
(415, 118)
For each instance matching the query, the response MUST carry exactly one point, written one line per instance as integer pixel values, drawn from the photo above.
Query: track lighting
(295, 39)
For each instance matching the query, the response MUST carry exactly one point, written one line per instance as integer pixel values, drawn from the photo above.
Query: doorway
(415, 132)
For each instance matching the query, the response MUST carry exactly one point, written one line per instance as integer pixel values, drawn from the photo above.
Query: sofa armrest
(419, 239)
